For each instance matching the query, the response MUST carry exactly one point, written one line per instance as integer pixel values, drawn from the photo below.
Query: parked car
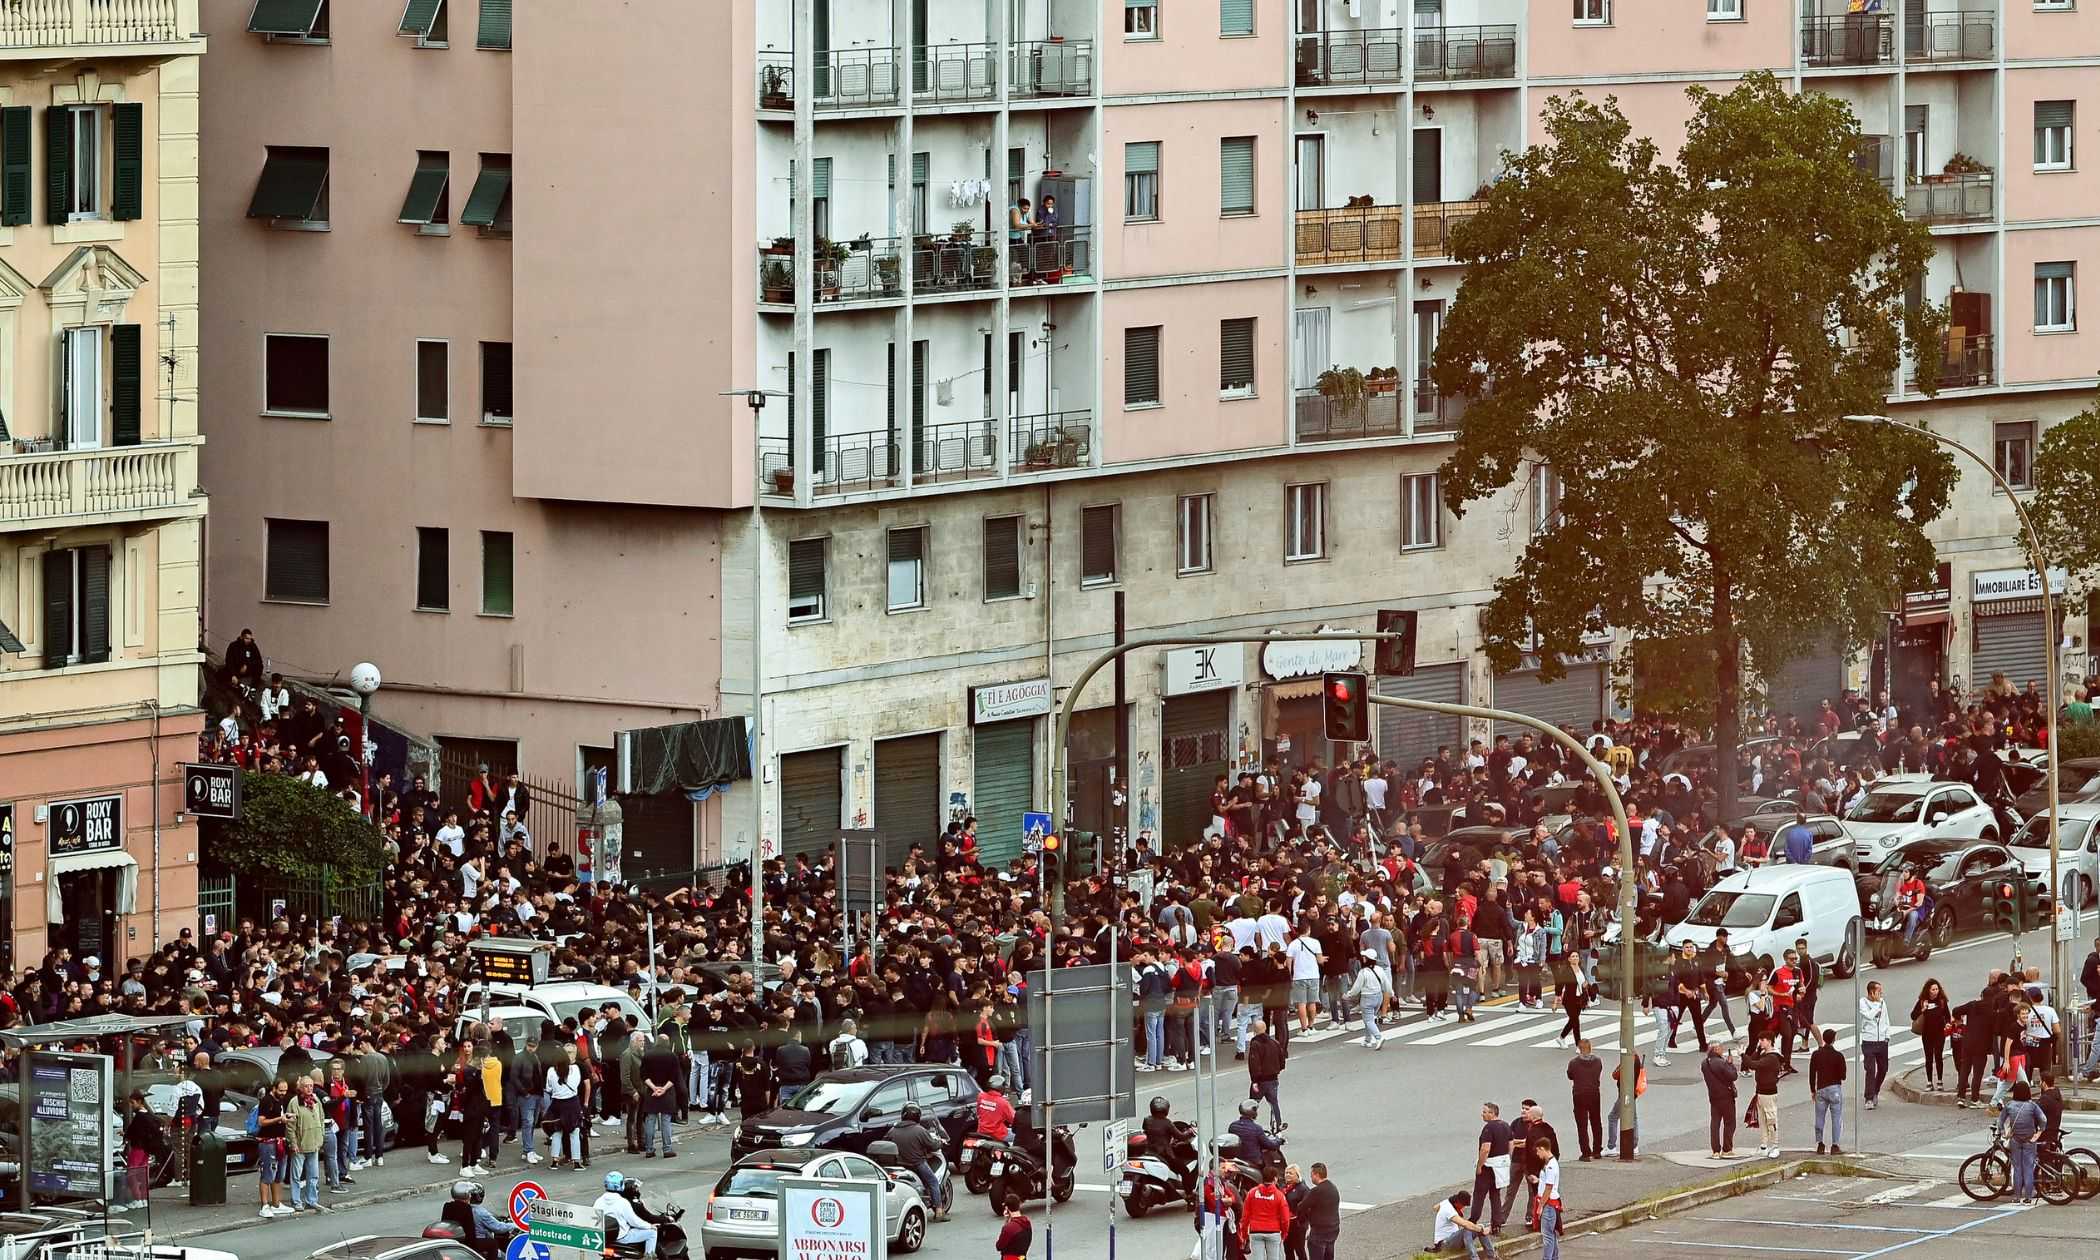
(374, 1247)
(1466, 845)
(2077, 843)
(1845, 750)
(1957, 875)
(2079, 782)
(846, 1110)
(1701, 756)
(1767, 909)
(741, 1209)
(519, 1021)
(1906, 807)
(251, 1070)
(1834, 845)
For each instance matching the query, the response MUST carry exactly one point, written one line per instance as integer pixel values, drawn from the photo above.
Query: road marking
(1804, 1251)
(1464, 1031)
(1912, 1242)
(1904, 1191)
(1525, 1033)
(1959, 1201)
(1872, 1229)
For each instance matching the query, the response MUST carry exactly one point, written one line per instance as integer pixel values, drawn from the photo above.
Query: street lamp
(2054, 695)
(364, 680)
(755, 399)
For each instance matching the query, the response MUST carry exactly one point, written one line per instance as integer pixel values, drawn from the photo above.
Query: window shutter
(94, 605)
(2052, 271)
(1236, 17)
(820, 178)
(296, 567)
(907, 545)
(1141, 158)
(1017, 163)
(1140, 365)
(128, 133)
(2052, 113)
(58, 163)
(1002, 557)
(1236, 175)
(805, 569)
(1914, 117)
(1097, 544)
(494, 31)
(921, 163)
(124, 384)
(1236, 354)
(58, 608)
(819, 404)
(15, 166)
(889, 392)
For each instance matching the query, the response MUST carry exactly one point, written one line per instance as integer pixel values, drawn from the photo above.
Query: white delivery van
(1767, 909)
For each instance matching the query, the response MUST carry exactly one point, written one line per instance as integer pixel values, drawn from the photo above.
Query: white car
(1767, 909)
(1906, 807)
(2078, 848)
(740, 1209)
(558, 1000)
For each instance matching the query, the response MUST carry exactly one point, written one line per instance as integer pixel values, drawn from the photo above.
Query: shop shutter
(1573, 702)
(2008, 645)
(1194, 743)
(128, 162)
(1408, 737)
(1141, 365)
(810, 802)
(17, 174)
(1005, 788)
(124, 384)
(907, 794)
(1800, 686)
(1236, 175)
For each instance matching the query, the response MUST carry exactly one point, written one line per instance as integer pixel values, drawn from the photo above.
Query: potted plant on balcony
(889, 273)
(778, 280)
(783, 481)
(773, 92)
(1343, 388)
(1962, 164)
(831, 259)
(1383, 380)
(962, 231)
(1038, 455)
(780, 245)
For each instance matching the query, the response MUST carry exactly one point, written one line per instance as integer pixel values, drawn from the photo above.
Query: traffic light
(2001, 906)
(1397, 656)
(1053, 858)
(2031, 898)
(1080, 852)
(1346, 708)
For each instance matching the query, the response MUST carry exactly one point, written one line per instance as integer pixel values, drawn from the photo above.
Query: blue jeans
(1155, 1037)
(530, 1108)
(306, 1177)
(1911, 923)
(1012, 1064)
(1611, 1126)
(1830, 1101)
(1463, 993)
(373, 1112)
(646, 1237)
(653, 1124)
(331, 1171)
(345, 1149)
(1549, 1231)
(924, 1172)
(2024, 1157)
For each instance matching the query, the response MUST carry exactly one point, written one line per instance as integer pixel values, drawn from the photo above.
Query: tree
(2066, 490)
(1677, 344)
(292, 829)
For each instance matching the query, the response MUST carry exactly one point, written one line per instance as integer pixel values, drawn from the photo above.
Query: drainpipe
(153, 708)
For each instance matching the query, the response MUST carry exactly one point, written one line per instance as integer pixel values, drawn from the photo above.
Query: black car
(2079, 780)
(1467, 846)
(1957, 875)
(849, 1109)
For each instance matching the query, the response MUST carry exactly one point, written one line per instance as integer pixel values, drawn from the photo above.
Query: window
(1141, 19)
(75, 135)
(1098, 544)
(498, 597)
(292, 191)
(1141, 367)
(495, 382)
(1235, 17)
(1596, 12)
(1305, 521)
(1236, 175)
(493, 33)
(1193, 534)
(291, 21)
(433, 382)
(921, 164)
(488, 206)
(76, 606)
(433, 569)
(2055, 299)
(17, 175)
(1236, 358)
(429, 201)
(2052, 134)
(1422, 512)
(1724, 10)
(1141, 182)
(907, 569)
(2012, 447)
(424, 21)
(806, 573)
(1002, 557)
(83, 367)
(2054, 6)
(295, 568)
(295, 375)
(1917, 120)
(1545, 498)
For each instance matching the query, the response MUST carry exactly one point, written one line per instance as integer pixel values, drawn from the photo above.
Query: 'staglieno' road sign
(564, 1225)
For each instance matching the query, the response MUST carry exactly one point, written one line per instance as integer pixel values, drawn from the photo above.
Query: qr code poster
(85, 1086)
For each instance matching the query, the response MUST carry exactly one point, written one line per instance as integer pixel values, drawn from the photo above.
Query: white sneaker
(1662, 1060)
(437, 1159)
(267, 1213)
(1204, 1050)
(1774, 1152)
(381, 1161)
(532, 1157)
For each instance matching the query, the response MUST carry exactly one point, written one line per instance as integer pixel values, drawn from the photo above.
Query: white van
(556, 1001)
(1767, 909)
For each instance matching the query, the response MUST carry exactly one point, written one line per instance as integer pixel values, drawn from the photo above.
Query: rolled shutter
(1236, 354)
(433, 567)
(820, 178)
(889, 392)
(418, 17)
(921, 447)
(495, 378)
(819, 405)
(94, 605)
(907, 794)
(811, 801)
(2052, 113)
(805, 569)
(494, 30)
(128, 163)
(1236, 175)
(1141, 158)
(1140, 365)
(907, 545)
(15, 166)
(1236, 17)
(1002, 557)
(921, 163)
(1097, 545)
(1004, 782)
(296, 566)
(58, 608)
(58, 164)
(124, 367)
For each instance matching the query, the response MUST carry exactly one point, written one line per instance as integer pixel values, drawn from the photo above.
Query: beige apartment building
(977, 437)
(101, 509)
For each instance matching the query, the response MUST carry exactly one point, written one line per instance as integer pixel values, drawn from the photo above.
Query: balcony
(954, 74)
(1323, 417)
(1969, 362)
(1435, 413)
(1934, 38)
(1351, 58)
(1052, 257)
(31, 29)
(950, 451)
(846, 78)
(1055, 439)
(1848, 39)
(863, 270)
(1350, 234)
(1961, 198)
(965, 260)
(1054, 67)
(1454, 54)
(1435, 221)
(47, 489)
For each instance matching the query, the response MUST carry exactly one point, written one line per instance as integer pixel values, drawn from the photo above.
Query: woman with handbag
(565, 1087)
(1929, 1019)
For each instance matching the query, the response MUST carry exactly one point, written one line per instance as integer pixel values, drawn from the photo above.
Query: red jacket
(1266, 1211)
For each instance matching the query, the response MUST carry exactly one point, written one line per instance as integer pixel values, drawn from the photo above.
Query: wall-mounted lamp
(1312, 115)
(1311, 289)
(1429, 111)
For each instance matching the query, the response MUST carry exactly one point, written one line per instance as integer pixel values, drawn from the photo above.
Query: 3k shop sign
(87, 824)
(822, 1219)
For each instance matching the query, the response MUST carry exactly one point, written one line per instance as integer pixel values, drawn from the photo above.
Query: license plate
(1124, 1188)
(967, 1154)
(997, 1169)
(745, 1214)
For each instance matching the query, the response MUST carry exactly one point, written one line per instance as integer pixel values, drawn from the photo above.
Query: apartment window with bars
(2013, 449)
(806, 574)
(1422, 512)
(1545, 498)
(1098, 544)
(2055, 297)
(1236, 358)
(1141, 366)
(1141, 182)
(1236, 175)
(1002, 557)
(1593, 12)
(1305, 521)
(1193, 534)
(907, 569)
(2053, 128)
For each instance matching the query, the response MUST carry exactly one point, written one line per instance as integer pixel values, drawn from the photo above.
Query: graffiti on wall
(1148, 801)
(958, 806)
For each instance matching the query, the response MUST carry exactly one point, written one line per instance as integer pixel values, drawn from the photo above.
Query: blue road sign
(1033, 828)
(524, 1248)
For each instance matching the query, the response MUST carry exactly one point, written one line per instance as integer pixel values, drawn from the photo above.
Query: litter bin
(207, 1170)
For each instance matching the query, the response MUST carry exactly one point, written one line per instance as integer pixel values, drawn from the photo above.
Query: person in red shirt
(1264, 1219)
(1910, 900)
(995, 1115)
(1785, 986)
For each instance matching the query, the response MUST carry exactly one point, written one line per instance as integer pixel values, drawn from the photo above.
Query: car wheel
(1940, 932)
(911, 1232)
(1847, 960)
(1990, 835)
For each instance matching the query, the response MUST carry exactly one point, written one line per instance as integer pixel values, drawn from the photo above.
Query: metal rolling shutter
(1194, 739)
(2011, 646)
(1574, 701)
(1801, 686)
(907, 794)
(1410, 737)
(1005, 788)
(810, 801)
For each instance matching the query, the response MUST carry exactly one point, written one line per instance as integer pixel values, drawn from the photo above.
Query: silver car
(740, 1209)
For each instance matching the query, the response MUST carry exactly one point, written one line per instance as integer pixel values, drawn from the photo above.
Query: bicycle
(1987, 1175)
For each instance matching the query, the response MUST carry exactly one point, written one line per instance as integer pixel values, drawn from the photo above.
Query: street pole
(2054, 690)
(755, 399)
(1857, 930)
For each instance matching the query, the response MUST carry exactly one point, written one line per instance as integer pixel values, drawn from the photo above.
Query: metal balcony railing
(1054, 439)
(1351, 234)
(955, 450)
(957, 262)
(1051, 67)
(862, 270)
(51, 24)
(1848, 39)
(1966, 35)
(1434, 412)
(1334, 58)
(41, 487)
(1051, 256)
(1451, 54)
(845, 463)
(1434, 223)
(952, 73)
(1324, 419)
(1951, 198)
(846, 78)
(1966, 362)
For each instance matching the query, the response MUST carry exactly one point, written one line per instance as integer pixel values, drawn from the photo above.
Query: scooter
(1149, 1181)
(1019, 1173)
(670, 1235)
(977, 1156)
(1884, 932)
(885, 1155)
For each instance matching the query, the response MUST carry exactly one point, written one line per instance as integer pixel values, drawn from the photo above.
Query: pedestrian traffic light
(1397, 656)
(2001, 906)
(1345, 708)
(2031, 898)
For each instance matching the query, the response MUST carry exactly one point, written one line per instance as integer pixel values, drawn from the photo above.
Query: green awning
(491, 193)
(495, 25)
(419, 17)
(291, 185)
(426, 192)
(284, 17)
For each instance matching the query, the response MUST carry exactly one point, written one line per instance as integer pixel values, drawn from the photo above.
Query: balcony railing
(1055, 439)
(39, 488)
(958, 262)
(47, 24)
(1848, 39)
(1435, 413)
(1951, 198)
(1967, 362)
(1324, 419)
(1051, 67)
(1967, 35)
(1052, 256)
(1352, 234)
(955, 450)
(846, 78)
(1331, 58)
(952, 73)
(863, 270)
(1435, 221)
(1450, 54)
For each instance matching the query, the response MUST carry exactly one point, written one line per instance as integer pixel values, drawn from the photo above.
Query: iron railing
(1964, 35)
(1324, 419)
(1050, 256)
(1965, 362)
(846, 271)
(1436, 220)
(1848, 39)
(1054, 439)
(1050, 67)
(955, 450)
(1450, 54)
(845, 463)
(1951, 198)
(951, 73)
(956, 262)
(846, 78)
(1351, 234)
(1435, 412)
(1331, 58)
(551, 816)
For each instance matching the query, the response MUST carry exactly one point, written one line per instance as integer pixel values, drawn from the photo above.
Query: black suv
(847, 1110)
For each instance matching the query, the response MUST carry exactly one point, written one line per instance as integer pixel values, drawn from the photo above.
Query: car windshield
(2034, 833)
(751, 1183)
(564, 1011)
(1886, 807)
(1732, 909)
(831, 1098)
(1940, 862)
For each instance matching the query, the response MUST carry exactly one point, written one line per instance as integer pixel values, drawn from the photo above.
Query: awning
(1937, 617)
(491, 193)
(291, 184)
(418, 17)
(294, 18)
(1300, 689)
(686, 756)
(123, 863)
(426, 191)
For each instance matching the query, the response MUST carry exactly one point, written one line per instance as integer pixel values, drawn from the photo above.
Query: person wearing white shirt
(453, 836)
(276, 699)
(618, 1211)
(847, 1049)
(1304, 952)
(1724, 853)
(470, 876)
(312, 774)
(1272, 927)
(1451, 1224)
(1308, 803)
(1549, 1198)
(1245, 932)
(1873, 1042)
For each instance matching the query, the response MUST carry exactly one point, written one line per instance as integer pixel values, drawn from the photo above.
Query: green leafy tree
(2067, 493)
(295, 830)
(1678, 343)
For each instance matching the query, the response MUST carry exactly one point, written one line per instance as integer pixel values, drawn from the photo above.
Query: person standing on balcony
(1020, 229)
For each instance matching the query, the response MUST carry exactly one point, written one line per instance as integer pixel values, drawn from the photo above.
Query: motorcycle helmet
(615, 1182)
(466, 1192)
(997, 1084)
(1159, 1107)
(1248, 1109)
(911, 1113)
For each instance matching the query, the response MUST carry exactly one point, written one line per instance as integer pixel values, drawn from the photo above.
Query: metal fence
(549, 816)
(316, 899)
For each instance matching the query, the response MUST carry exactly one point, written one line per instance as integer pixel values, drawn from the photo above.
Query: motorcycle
(670, 1235)
(1149, 1181)
(885, 1155)
(1017, 1172)
(977, 1156)
(1884, 935)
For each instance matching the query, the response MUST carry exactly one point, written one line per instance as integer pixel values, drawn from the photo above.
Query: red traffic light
(1342, 689)
(1050, 843)
(2005, 890)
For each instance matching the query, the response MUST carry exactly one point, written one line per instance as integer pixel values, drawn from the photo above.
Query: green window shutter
(491, 191)
(94, 605)
(15, 166)
(58, 608)
(498, 595)
(921, 163)
(1141, 158)
(1017, 163)
(128, 125)
(1236, 354)
(58, 163)
(418, 17)
(124, 363)
(1236, 175)
(1141, 365)
(494, 32)
(820, 178)
(284, 17)
(291, 185)
(819, 405)
(2052, 113)
(1235, 17)
(426, 190)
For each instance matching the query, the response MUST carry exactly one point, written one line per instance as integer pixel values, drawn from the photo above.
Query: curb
(252, 1221)
(1901, 1086)
(1672, 1202)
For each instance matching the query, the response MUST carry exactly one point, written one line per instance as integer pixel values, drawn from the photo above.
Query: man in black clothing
(1719, 1071)
(1714, 961)
(1264, 1067)
(1767, 1065)
(1687, 988)
(1586, 1083)
(1826, 1084)
(1322, 1213)
(791, 1062)
(1495, 1138)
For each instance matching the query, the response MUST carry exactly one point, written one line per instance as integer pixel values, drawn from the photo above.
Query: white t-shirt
(1244, 932)
(1549, 1180)
(1305, 958)
(1374, 792)
(1724, 853)
(1447, 1219)
(1309, 801)
(1272, 928)
(453, 837)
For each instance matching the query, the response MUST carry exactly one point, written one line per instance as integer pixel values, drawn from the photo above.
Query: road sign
(564, 1225)
(1033, 828)
(525, 1247)
(1115, 1145)
(521, 1196)
(2066, 914)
